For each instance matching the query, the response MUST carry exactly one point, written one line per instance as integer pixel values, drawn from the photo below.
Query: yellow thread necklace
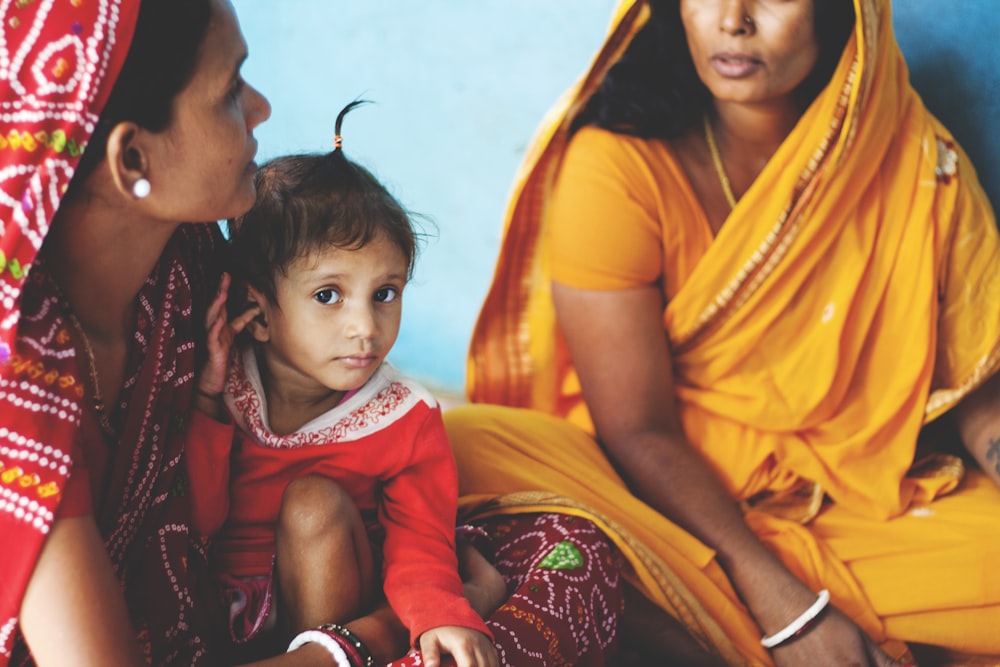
(720, 169)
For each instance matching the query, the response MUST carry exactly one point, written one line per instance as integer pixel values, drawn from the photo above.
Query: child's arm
(209, 434)
(418, 509)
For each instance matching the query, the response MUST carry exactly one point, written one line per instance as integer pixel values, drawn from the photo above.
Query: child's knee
(315, 505)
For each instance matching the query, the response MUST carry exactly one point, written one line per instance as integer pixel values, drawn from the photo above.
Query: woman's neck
(100, 255)
(752, 133)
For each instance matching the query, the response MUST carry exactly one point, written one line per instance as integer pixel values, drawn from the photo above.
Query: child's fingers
(431, 654)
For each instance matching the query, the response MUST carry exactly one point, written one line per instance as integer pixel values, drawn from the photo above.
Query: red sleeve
(207, 444)
(418, 511)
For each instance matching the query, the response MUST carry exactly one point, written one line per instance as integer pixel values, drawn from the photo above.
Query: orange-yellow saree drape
(862, 269)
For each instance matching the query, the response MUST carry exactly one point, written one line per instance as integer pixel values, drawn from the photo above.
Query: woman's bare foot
(484, 586)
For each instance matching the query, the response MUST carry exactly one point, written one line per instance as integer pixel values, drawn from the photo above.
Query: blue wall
(954, 60)
(461, 85)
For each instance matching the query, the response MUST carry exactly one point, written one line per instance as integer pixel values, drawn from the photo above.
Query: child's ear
(258, 326)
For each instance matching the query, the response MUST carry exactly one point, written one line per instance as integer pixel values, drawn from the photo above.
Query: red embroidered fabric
(58, 61)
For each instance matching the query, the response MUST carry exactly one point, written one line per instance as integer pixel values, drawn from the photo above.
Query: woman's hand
(832, 640)
(220, 334)
(468, 647)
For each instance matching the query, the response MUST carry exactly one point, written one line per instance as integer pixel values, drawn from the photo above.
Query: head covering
(58, 62)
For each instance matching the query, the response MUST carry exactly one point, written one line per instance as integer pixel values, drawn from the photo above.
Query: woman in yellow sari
(743, 271)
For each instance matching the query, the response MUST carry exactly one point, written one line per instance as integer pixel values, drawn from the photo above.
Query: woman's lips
(735, 65)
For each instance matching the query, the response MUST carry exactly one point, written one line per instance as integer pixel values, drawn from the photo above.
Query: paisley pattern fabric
(567, 593)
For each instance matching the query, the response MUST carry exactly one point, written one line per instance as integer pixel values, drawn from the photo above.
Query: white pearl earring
(141, 188)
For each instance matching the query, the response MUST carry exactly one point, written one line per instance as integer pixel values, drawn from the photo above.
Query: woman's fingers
(218, 304)
(239, 323)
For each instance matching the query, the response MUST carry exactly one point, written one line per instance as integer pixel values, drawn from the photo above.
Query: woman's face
(204, 168)
(751, 51)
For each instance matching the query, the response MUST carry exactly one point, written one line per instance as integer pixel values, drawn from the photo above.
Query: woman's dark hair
(654, 91)
(312, 201)
(160, 62)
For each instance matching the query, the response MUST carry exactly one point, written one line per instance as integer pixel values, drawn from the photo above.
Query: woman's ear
(128, 161)
(258, 326)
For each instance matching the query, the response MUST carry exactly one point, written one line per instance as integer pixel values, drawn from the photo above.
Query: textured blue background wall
(954, 58)
(461, 85)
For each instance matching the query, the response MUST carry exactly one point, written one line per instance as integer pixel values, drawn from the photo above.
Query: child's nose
(361, 322)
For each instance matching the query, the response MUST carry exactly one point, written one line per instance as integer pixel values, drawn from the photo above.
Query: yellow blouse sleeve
(604, 232)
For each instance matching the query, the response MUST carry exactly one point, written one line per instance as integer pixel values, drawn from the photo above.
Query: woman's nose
(259, 108)
(735, 17)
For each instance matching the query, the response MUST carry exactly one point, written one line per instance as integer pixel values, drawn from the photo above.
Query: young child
(336, 464)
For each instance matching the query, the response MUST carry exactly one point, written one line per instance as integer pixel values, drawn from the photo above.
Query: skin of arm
(619, 348)
(978, 420)
(72, 578)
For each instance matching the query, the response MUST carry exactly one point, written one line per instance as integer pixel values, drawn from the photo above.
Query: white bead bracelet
(324, 640)
(796, 626)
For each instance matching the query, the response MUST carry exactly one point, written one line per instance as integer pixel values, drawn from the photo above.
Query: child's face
(337, 319)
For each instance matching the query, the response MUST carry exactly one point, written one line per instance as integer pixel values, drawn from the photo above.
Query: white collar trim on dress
(385, 398)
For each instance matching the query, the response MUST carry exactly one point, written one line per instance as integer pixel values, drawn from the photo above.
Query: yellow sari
(867, 194)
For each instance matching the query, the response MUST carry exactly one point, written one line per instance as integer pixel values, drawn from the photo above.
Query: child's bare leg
(324, 561)
(483, 585)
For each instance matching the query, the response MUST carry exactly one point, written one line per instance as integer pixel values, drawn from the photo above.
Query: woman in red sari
(100, 334)
(100, 371)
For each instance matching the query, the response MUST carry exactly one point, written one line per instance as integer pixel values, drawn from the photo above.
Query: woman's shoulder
(604, 149)
(592, 137)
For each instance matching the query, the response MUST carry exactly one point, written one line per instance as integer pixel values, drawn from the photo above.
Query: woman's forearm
(72, 578)
(668, 474)
(978, 419)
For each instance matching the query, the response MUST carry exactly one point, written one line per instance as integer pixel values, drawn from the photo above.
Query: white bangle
(795, 627)
(324, 640)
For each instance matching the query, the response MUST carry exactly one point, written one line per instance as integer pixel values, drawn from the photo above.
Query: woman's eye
(236, 89)
(327, 296)
(386, 294)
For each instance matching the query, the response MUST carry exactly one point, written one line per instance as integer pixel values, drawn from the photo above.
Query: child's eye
(386, 294)
(327, 296)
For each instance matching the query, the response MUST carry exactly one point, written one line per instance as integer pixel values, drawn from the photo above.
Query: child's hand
(468, 647)
(220, 334)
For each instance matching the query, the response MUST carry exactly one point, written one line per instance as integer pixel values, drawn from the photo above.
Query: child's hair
(308, 202)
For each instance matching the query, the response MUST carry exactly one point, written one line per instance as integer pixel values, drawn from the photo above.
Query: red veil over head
(58, 62)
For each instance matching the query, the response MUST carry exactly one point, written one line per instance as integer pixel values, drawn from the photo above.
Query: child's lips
(358, 361)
